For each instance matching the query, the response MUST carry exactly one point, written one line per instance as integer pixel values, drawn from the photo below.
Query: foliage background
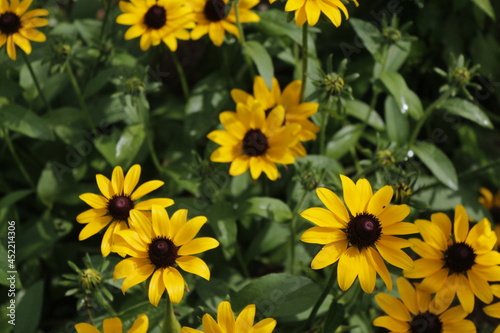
(136, 101)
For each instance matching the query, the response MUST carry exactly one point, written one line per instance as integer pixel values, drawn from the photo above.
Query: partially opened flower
(213, 18)
(18, 26)
(114, 205)
(296, 112)
(227, 324)
(493, 310)
(415, 311)
(310, 10)
(156, 21)
(456, 260)
(157, 248)
(114, 325)
(253, 141)
(361, 237)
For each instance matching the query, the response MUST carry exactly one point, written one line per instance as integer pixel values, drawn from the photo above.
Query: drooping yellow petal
(93, 228)
(329, 254)
(136, 276)
(394, 256)
(348, 267)
(367, 273)
(194, 265)
(156, 287)
(174, 283)
(480, 287)
(464, 293)
(374, 257)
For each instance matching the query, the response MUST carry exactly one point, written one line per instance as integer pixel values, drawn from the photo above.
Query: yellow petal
(174, 283)
(329, 254)
(464, 293)
(264, 326)
(400, 228)
(198, 245)
(380, 200)
(156, 287)
(443, 222)
(117, 180)
(177, 221)
(376, 260)
(140, 223)
(256, 164)
(105, 186)
(140, 325)
(391, 324)
(22, 42)
(160, 221)
(461, 226)
(232, 124)
(432, 234)
(493, 310)
(367, 273)
(93, 228)
(322, 218)
(225, 317)
(480, 287)
(131, 179)
(408, 295)
(239, 165)
(244, 321)
(322, 235)
(138, 275)
(146, 188)
(348, 267)
(351, 196)
(189, 230)
(86, 328)
(112, 325)
(394, 256)
(23, 7)
(223, 138)
(462, 326)
(194, 265)
(393, 214)
(454, 314)
(107, 239)
(393, 307)
(425, 250)
(94, 200)
(91, 215)
(334, 204)
(424, 268)
(11, 48)
(210, 325)
(365, 193)
(148, 204)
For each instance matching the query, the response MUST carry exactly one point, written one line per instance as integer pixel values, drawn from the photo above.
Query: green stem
(321, 299)
(105, 19)
(182, 75)
(79, 94)
(305, 52)
(322, 128)
(242, 38)
(19, 163)
(426, 115)
(293, 230)
(170, 322)
(35, 80)
(241, 261)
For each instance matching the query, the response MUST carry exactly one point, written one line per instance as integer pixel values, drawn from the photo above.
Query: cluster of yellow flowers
(166, 21)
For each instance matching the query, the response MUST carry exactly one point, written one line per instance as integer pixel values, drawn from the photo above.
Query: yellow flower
(458, 261)
(361, 239)
(211, 18)
(416, 312)
(310, 10)
(493, 310)
(156, 21)
(252, 141)
(492, 203)
(227, 324)
(114, 205)
(295, 111)
(155, 248)
(17, 27)
(114, 325)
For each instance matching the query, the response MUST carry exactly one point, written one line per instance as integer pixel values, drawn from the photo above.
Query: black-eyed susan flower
(114, 325)
(227, 324)
(156, 21)
(455, 261)
(213, 18)
(493, 310)
(415, 311)
(492, 203)
(361, 237)
(156, 248)
(18, 26)
(310, 10)
(253, 141)
(114, 205)
(295, 111)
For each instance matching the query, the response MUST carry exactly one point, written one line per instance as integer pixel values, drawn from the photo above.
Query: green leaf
(13, 197)
(98, 82)
(396, 56)
(468, 110)
(274, 22)
(89, 29)
(121, 149)
(221, 217)
(397, 124)
(270, 237)
(48, 186)
(277, 295)
(407, 100)
(270, 208)
(486, 7)
(24, 121)
(366, 31)
(343, 140)
(437, 162)
(334, 317)
(262, 60)
(30, 307)
(360, 110)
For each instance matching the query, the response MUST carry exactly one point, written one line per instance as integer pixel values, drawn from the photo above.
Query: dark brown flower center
(10, 23)
(215, 10)
(156, 17)
(459, 257)
(119, 207)
(162, 252)
(363, 230)
(426, 323)
(255, 143)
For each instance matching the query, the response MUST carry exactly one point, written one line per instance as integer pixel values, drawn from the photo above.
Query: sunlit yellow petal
(333, 203)
(348, 267)
(194, 265)
(146, 188)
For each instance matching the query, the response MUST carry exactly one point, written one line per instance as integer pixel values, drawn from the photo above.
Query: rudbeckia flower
(211, 18)
(310, 10)
(359, 238)
(492, 203)
(156, 248)
(253, 141)
(17, 26)
(415, 312)
(156, 21)
(456, 261)
(295, 111)
(227, 324)
(114, 325)
(493, 310)
(114, 205)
